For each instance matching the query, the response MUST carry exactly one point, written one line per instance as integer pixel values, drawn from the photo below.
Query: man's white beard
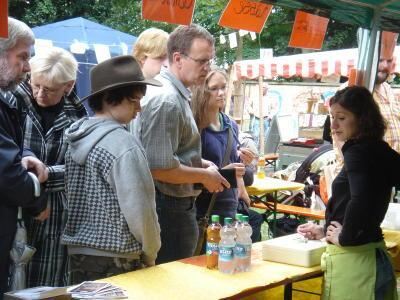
(8, 80)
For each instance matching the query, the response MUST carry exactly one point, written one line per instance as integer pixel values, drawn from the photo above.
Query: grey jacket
(111, 196)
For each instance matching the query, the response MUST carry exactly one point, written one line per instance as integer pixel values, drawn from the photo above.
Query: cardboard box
(293, 249)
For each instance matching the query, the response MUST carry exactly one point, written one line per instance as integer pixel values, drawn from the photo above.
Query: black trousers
(5, 246)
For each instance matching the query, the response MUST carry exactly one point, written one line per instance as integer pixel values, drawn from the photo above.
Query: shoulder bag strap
(203, 222)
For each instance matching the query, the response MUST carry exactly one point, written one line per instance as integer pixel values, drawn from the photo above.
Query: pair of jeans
(255, 128)
(5, 247)
(90, 267)
(178, 224)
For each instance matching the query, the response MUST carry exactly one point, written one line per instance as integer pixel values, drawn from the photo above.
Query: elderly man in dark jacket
(16, 186)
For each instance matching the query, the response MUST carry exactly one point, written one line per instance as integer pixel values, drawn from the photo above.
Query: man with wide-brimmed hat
(111, 200)
(172, 142)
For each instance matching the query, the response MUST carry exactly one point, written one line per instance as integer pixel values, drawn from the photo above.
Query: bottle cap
(238, 217)
(215, 219)
(227, 221)
(245, 219)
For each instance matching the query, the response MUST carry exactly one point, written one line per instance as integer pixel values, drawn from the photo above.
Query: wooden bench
(293, 210)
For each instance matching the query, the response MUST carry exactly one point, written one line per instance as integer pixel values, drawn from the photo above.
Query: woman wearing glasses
(47, 107)
(208, 102)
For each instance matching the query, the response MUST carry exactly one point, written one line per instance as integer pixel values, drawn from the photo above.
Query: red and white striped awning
(326, 63)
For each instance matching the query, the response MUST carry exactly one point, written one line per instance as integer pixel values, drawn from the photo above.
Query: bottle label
(212, 248)
(242, 251)
(226, 253)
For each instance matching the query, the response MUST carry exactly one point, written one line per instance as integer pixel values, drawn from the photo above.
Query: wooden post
(261, 114)
(228, 99)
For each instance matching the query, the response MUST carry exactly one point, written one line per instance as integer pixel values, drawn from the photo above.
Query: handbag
(203, 221)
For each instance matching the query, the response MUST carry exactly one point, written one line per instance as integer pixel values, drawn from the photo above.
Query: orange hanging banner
(388, 43)
(170, 11)
(246, 15)
(3, 19)
(308, 31)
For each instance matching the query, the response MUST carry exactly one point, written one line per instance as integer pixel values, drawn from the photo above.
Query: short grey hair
(17, 31)
(55, 64)
(181, 39)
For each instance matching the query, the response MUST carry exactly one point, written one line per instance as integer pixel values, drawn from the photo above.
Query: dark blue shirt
(213, 145)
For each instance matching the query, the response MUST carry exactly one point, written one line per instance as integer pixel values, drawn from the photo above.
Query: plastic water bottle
(226, 246)
(213, 239)
(242, 250)
(238, 221)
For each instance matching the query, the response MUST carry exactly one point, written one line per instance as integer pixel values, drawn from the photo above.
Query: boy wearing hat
(112, 224)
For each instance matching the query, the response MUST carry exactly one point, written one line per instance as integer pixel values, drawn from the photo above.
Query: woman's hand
(239, 168)
(311, 231)
(333, 231)
(44, 215)
(246, 155)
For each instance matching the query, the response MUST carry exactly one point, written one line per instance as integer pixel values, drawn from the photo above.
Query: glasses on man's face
(201, 62)
(216, 89)
(134, 99)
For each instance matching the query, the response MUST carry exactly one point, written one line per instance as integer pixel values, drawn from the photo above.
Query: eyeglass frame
(45, 90)
(217, 89)
(202, 62)
(134, 99)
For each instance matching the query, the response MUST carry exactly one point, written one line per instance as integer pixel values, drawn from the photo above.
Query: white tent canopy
(324, 63)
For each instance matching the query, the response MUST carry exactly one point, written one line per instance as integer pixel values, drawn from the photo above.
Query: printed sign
(308, 31)
(388, 43)
(3, 19)
(246, 15)
(170, 11)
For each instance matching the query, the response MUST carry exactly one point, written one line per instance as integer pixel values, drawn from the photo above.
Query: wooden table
(190, 279)
(262, 187)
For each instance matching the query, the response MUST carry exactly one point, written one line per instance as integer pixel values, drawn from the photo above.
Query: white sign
(266, 53)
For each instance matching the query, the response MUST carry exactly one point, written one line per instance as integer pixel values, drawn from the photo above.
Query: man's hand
(239, 168)
(207, 163)
(215, 182)
(333, 231)
(246, 155)
(36, 166)
(43, 215)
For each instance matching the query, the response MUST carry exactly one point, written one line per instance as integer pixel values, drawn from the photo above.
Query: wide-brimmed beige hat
(117, 72)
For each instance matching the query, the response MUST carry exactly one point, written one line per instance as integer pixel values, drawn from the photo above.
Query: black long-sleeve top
(16, 187)
(361, 191)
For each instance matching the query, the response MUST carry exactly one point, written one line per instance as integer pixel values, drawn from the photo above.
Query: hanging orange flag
(170, 11)
(246, 15)
(3, 18)
(388, 43)
(308, 31)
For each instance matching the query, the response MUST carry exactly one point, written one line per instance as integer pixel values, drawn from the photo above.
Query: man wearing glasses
(172, 142)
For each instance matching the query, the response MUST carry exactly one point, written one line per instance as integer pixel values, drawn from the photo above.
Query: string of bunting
(247, 16)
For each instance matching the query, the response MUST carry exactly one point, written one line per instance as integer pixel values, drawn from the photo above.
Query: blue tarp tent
(89, 34)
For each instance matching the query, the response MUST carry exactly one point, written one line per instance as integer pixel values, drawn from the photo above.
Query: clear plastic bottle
(261, 168)
(226, 246)
(213, 239)
(242, 250)
(238, 221)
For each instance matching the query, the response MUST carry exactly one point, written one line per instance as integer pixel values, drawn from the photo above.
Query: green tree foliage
(40, 12)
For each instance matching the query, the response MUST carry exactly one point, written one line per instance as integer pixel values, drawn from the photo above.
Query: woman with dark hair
(112, 224)
(356, 263)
